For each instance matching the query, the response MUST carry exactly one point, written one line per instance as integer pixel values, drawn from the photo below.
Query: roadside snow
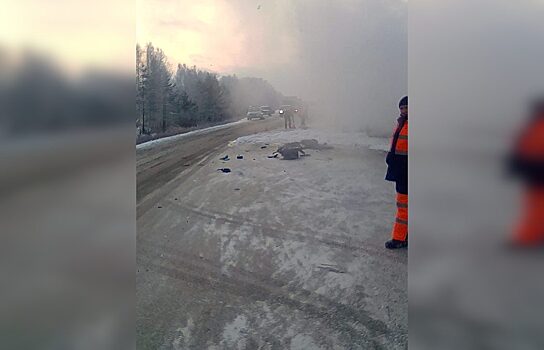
(353, 139)
(194, 132)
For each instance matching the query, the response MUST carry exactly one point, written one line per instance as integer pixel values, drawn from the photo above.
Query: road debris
(291, 150)
(239, 156)
(330, 268)
(224, 170)
(225, 158)
(295, 150)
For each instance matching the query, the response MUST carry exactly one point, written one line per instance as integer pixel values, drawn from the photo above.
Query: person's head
(403, 106)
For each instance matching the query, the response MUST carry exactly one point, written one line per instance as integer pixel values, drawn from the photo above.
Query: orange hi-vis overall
(401, 148)
(530, 152)
(400, 228)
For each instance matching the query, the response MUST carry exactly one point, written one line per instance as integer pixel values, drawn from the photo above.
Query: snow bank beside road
(353, 139)
(190, 133)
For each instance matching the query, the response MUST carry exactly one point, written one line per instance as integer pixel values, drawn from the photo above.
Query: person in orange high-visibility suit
(527, 161)
(397, 171)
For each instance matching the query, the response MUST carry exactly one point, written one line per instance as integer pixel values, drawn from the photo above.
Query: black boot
(396, 244)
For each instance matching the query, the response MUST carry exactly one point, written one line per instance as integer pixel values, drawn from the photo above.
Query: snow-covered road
(276, 254)
(355, 139)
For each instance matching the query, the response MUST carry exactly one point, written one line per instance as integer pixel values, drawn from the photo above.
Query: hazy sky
(219, 35)
(75, 33)
(350, 56)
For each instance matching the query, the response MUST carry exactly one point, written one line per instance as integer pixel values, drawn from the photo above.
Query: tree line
(169, 99)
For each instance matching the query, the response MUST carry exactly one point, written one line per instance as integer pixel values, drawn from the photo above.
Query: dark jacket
(397, 165)
(527, 159)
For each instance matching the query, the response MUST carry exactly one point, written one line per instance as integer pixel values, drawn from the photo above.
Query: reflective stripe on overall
(400, 227)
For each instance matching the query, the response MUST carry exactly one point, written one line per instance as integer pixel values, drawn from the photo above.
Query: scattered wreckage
(295, 150)
(289, 151)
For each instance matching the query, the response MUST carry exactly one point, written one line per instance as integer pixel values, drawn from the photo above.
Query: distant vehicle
(254, 113)
(284, 109)
(265, 110)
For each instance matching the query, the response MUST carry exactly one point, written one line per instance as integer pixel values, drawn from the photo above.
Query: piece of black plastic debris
(263, 147)
(224, 170)
(225, 158)
(331, 268)
(239, 156)
(237, 189)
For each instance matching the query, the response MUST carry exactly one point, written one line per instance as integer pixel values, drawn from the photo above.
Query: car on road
(254, 114)
(266, 110)
(284, 109)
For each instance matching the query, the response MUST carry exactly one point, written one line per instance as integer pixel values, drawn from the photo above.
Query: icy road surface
(276, 254)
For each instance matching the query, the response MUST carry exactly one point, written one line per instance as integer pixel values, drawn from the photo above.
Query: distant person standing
(288, 117)
(303, 112)
(397, 171)
(292, 118)
(527, 162)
